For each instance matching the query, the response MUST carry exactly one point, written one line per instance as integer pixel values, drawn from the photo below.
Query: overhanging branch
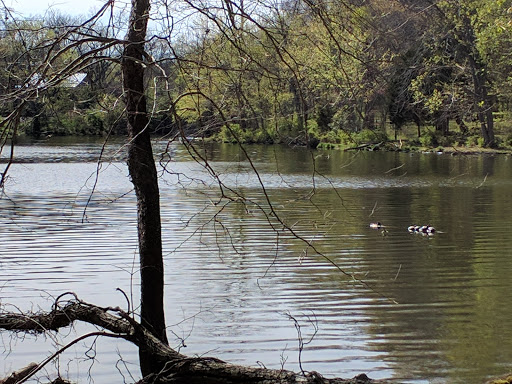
(178, 368)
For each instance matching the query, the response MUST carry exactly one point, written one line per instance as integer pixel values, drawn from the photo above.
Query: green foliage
(429, 139)
(345, 139)
(472, 141)
(71, 124)
(370, 136)
(318, 63)
(233, 133)
(324, 118)
(334, 137)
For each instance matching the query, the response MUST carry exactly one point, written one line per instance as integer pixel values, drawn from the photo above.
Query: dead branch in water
(178, 368)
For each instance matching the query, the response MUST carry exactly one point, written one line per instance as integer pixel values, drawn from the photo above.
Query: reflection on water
(232, 281)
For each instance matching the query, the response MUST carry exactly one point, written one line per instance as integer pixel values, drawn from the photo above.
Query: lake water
(396, 305)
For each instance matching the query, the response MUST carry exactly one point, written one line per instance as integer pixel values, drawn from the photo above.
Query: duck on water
(421, 229)
(429, 229)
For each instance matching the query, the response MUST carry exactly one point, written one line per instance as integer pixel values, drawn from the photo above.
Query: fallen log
(178, 368)
(372, 146)
(19, 375)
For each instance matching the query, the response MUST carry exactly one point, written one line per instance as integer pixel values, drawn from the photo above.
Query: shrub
(343, 137)
(231, 134)
(472, 141)
(508, 140)
(370, 136)
(429, 139)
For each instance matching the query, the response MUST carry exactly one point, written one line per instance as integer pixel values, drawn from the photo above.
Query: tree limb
(178, 368)
(20, 375)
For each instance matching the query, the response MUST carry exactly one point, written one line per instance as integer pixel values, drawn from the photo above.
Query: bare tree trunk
(143, 174)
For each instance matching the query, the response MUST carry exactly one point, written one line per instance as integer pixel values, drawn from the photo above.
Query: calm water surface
(430, 309)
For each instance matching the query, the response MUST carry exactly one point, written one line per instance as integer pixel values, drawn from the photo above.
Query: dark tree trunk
(462, 126)
(483, 100)
(143, 174)
(442, 124)
(299, 105)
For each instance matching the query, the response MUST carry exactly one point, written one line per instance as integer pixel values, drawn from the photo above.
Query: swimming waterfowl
(421, 229)
(376, 225)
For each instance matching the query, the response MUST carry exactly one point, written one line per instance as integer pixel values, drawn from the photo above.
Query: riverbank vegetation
(330, 73)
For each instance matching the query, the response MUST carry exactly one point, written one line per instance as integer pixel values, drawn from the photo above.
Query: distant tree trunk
(482, 99)
(300, 108)
(462, 126)
(442, 123)
(483, 105)
(143, 174)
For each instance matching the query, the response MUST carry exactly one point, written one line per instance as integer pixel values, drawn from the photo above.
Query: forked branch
(178, 368)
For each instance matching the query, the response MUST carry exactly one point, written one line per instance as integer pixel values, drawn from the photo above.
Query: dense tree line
(294, 71)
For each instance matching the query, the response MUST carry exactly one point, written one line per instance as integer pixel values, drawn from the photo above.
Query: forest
(316, 73)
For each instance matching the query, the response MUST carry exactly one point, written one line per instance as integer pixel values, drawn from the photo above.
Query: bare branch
(177, 368)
